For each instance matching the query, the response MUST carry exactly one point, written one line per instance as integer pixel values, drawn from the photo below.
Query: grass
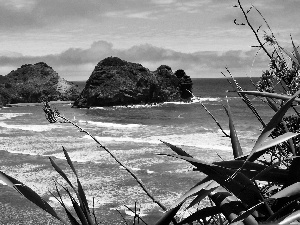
(258, 187)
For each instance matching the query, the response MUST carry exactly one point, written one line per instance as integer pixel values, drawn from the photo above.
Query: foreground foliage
(262, 186)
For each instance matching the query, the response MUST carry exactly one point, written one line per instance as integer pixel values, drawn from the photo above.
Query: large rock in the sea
(35, 83)
(117, 82)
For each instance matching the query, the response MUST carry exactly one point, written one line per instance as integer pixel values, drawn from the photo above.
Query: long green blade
(168, 216)
(201, 214)
(231, 207)
(291, 218)
(247, 213)
(195, 190)
(203, 193)
(276, 119)
(296, 53)
(288, 191)
(31, 195)
(236, 147)
(72, 220)
(60, 172)
(176, 149)
(78, 210)
(69, 161)
(81, 194)
(268, 95)
(293, 58)
(235, 164)
(277, 140)
(239, 185)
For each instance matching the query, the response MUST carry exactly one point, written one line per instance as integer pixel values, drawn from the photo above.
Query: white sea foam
(6, 116)
(149, 140)
(140, 106)
(210, 99)
(96, 108)
(26, 127)
(111, 125)
(23, 152)
(2, 182)
(195, 100)
(128, 106)
(138, 169)
(206, 140)
(178, 103)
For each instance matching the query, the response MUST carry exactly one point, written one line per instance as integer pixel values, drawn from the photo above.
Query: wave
(138, 169)
(2, 182)
(193, 100)
(77, 156)
(210, 99)
(111, 125)
(27, 127)
(94, 107)
(149, 140)
(137, 106)
(23, 153)
(207, 140)
(141, 106)
(6, 116)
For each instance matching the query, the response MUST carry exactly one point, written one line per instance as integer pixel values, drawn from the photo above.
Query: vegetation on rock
(117, 82)
(35, 83)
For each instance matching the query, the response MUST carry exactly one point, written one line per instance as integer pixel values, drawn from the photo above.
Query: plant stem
(118, 161)
(255, 33)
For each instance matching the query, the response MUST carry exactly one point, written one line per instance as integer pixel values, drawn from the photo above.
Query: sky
(198, 36)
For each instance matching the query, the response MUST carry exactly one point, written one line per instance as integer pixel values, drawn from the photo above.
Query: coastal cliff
(117, 82)
(34, 83)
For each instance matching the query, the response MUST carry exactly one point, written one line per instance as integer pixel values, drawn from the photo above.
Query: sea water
(134, 134)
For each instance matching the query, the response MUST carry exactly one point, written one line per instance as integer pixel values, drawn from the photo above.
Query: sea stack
(35, 83)
(117, 82)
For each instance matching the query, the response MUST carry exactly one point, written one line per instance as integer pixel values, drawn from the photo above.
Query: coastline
(133, 133)
(37, 103)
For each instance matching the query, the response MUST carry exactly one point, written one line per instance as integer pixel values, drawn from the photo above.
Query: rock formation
(117, 82)
(34, 83)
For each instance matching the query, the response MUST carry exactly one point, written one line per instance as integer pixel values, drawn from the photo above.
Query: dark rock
(186, 84)
(117, 82)
(35, 83)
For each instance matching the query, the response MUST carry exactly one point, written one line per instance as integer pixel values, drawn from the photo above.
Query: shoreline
(37, 103)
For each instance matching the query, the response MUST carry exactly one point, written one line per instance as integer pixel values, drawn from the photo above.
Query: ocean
(134, 135)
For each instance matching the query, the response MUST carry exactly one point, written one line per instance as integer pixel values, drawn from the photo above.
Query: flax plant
(258, 187)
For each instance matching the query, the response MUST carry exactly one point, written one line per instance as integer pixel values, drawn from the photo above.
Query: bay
(134, 135)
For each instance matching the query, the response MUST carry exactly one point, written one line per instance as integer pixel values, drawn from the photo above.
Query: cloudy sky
(199, 36)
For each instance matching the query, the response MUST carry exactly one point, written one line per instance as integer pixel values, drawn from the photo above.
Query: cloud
(148, 55)
(42, 13)
(24, 14)
(132, 14)
(163, 2)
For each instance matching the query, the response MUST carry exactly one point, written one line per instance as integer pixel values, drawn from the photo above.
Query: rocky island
(117, 82)
(35, 83)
